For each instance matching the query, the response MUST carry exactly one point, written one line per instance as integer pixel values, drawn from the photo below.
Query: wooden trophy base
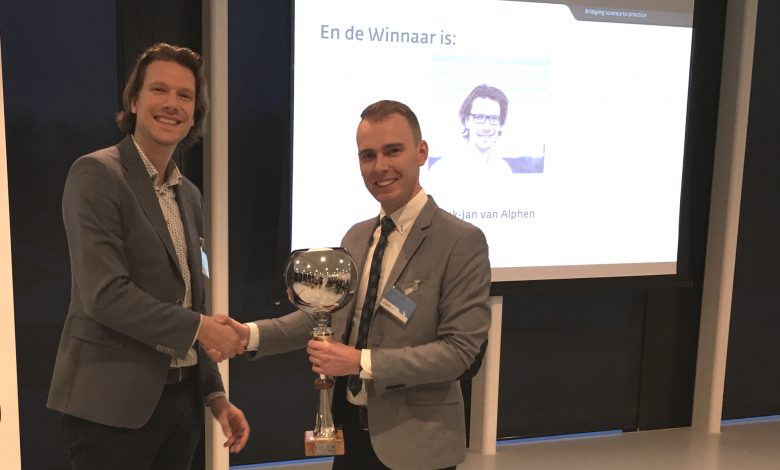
(319, 446)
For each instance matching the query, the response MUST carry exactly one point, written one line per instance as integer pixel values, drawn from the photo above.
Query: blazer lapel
(357, 241)
(190, 222)
(361, 242)
(139, 181)
(413, 242)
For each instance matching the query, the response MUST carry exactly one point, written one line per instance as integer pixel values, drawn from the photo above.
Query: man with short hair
(130, 377)
(397, 394)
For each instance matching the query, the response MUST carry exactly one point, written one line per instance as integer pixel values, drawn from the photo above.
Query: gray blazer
(124, 321)
(415, 406)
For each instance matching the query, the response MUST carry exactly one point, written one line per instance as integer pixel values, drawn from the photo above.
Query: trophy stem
(324, 425)
(324, 439)
(323, 321)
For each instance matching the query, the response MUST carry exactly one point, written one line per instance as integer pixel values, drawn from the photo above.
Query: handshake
(221, 337)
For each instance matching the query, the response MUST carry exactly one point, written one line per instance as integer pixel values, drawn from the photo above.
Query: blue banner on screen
(558, 129)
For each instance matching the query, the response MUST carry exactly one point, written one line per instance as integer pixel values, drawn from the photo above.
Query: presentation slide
(556, 128)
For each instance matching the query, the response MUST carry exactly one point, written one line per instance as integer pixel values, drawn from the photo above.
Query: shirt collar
(405, 216)
(173, 174)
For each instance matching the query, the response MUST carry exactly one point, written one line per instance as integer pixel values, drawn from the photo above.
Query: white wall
(215, 169)
(725, 200)
(10, 455)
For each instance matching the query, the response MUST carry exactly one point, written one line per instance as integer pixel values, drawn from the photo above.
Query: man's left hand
(233, 422)
(333, 359)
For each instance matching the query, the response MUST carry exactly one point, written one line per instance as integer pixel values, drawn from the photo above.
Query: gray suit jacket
(415, 406)
(124, 321)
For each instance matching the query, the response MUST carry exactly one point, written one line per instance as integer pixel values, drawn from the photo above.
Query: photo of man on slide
(483, 115)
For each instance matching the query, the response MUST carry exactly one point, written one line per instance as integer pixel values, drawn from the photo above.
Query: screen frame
(703, 96)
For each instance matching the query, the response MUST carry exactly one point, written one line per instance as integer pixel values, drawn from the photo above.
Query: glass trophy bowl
(319, 282)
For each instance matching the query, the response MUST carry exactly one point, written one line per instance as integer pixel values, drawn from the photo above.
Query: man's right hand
(219, 340)
(241, 329)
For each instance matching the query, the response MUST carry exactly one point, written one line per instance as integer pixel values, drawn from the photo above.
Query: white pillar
(215, 177)
(10, 453)
(484, 388)
(724, 214)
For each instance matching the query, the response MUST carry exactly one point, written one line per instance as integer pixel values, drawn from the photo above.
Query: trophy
(321, 281)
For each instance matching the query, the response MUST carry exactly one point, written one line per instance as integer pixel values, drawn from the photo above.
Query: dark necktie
(354, 382)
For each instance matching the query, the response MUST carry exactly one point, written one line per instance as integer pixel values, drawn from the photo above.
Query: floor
(740, 446)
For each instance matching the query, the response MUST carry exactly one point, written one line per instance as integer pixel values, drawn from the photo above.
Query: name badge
(204, 260)
(398, 305)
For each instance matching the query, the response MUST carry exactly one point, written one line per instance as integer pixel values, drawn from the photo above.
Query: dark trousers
(359, 453)
(166, 442)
